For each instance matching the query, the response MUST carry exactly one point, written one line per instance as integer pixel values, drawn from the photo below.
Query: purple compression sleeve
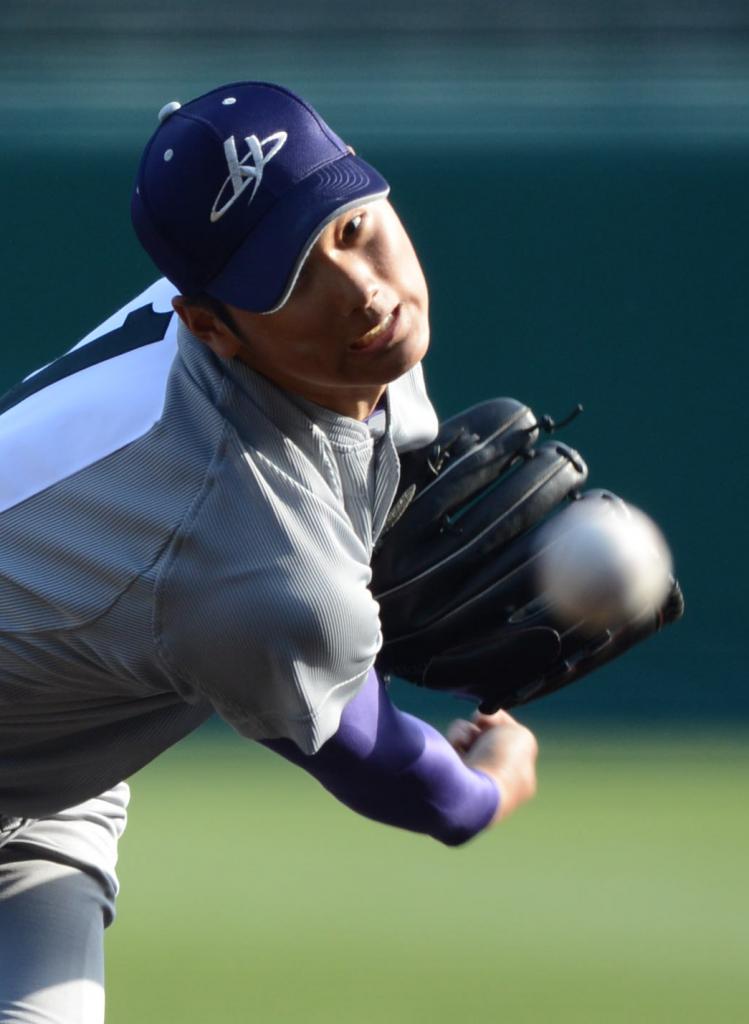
(392, 767)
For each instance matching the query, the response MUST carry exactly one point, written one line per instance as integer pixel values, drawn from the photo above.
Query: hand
(502, 748)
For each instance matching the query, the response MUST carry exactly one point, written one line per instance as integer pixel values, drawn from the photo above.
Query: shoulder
(157, 297)
(105, 392)
(263, 605)
(101, 463)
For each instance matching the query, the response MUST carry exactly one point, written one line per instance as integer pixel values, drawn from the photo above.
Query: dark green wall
(608, 274)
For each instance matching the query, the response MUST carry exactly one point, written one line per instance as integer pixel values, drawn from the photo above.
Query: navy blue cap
(235, 186)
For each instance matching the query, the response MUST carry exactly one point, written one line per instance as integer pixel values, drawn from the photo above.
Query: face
(356, 320)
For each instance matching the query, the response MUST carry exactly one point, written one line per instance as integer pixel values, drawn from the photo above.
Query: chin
(403, 358)
(414, 349)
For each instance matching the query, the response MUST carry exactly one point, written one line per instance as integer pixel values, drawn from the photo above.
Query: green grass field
(618, 895)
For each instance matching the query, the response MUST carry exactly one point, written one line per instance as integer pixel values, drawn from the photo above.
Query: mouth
(380, 335)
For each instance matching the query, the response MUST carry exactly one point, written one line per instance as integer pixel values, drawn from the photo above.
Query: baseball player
(188, 507)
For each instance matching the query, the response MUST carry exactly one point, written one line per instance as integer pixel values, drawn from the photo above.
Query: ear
(207, 327)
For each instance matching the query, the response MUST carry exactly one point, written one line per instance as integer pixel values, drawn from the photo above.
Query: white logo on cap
(247, 171)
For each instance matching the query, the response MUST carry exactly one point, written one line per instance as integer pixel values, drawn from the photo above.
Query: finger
(462, 734)
(500, 717)
(460, 731)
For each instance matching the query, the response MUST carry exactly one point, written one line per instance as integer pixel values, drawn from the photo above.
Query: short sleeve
(262, 605)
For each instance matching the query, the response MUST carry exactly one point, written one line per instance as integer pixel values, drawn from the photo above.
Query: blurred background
(574, 177)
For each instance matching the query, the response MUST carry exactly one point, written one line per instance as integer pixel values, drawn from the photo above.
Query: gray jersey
(178, 536)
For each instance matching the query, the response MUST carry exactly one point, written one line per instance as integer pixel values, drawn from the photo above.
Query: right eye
(352, 226)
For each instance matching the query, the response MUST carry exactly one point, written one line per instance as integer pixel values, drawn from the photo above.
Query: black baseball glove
(455, 569)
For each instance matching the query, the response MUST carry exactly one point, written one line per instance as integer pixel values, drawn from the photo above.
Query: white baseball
(603, 561)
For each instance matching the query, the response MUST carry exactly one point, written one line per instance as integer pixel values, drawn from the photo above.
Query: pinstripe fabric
(206, 549)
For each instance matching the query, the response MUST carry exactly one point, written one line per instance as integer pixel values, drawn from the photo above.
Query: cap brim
(261, 274)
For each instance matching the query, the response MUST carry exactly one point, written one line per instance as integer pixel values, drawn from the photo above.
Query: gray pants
(57, 891)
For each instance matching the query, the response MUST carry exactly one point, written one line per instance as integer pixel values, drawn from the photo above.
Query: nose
(353, 283)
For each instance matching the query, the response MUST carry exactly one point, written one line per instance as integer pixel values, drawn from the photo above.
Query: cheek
(416, 293)
(315, 357)
(421, 286)
(411, 274)
(292, 341)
